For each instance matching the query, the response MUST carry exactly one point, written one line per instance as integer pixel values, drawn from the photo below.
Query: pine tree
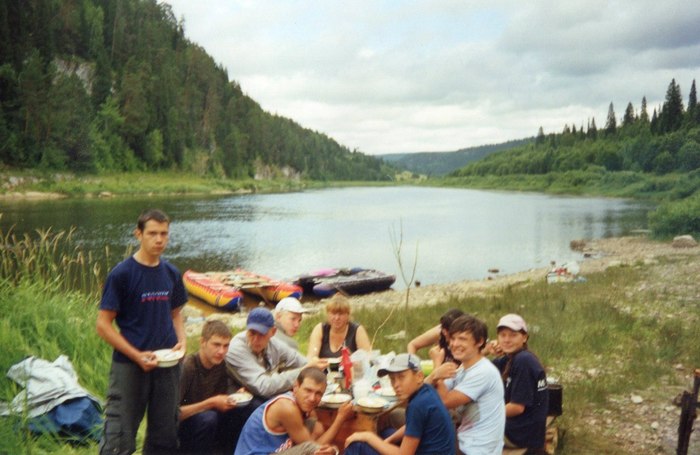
(643, 114)
(592, 132)
(611, 122)
(540, 136)
(628, 118)
(671, 116)
(693, 104)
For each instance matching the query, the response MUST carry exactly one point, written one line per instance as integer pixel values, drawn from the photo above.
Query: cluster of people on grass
(467, 404)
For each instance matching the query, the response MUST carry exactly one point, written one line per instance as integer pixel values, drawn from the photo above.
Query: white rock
(636, 399)
(684, 241)
(592, 372)
(678, 366)
(654, 425)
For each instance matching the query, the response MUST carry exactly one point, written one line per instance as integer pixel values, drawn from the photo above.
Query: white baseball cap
(290, 304)
(513, 322)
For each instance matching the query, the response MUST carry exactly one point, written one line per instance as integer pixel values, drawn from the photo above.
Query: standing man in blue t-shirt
(429, 429)
(144, 295)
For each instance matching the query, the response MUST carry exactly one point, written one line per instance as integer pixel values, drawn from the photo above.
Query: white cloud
(446, 74)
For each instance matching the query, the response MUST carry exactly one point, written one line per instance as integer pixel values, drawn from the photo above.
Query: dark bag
(555, 399)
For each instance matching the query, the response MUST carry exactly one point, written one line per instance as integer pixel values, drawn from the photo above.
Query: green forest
(98, 86)
(655, 156)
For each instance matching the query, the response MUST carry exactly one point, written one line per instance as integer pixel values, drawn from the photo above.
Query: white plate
(386, 392)
(372, 404)
(335, 400)
(167, 357)
(241, 398)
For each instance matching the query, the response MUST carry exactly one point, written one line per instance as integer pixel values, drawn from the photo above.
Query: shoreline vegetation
(674, 199)
(623, 343)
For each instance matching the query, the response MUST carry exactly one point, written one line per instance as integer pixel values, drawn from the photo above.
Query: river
(450, 234)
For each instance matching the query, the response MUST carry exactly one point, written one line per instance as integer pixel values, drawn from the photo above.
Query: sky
(390, 76)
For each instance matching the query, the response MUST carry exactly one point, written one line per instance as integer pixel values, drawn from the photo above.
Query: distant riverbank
(36, 186)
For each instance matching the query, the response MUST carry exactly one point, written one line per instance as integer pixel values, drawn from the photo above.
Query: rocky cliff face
(83, 70)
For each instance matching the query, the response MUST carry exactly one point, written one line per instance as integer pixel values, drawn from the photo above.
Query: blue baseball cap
(260, 320)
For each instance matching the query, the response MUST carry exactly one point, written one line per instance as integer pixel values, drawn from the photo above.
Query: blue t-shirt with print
(526, 384)
(143, 298)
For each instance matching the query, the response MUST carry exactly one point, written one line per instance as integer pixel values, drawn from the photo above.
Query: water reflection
(458, 234)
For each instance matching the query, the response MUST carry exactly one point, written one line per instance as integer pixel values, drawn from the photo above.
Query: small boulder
(636, 399)
(684, 241)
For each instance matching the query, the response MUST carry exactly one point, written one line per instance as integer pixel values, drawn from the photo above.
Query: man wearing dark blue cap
(262, 364)
(429, 428)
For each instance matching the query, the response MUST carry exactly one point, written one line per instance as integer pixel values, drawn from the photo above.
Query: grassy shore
(32, 184)
(630, 329)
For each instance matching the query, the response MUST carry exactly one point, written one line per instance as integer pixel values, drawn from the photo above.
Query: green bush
(674, 218)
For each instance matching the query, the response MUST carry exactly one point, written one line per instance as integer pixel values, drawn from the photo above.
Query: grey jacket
(267, 375)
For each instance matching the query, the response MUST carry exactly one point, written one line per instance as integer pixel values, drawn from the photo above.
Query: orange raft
(212, 291)
(270, 290)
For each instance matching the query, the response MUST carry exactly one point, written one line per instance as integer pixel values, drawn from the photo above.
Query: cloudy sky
(389, 76)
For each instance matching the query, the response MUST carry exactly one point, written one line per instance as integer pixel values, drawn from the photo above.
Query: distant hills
(437, 164)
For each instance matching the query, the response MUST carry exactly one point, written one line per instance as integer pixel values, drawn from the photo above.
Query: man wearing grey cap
(259, 362)
(429, 428)
(288, 316)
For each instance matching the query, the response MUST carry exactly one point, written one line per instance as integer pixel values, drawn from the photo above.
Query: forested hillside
(656, 155)
(435, 164)
(114, 85)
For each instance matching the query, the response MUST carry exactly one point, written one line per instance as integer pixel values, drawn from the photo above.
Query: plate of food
(167, 357)
(241, 398)
(335, 400)
(372, 405)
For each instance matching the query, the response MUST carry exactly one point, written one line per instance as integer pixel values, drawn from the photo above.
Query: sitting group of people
(467, 404)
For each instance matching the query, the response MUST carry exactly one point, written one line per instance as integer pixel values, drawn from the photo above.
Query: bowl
(372, 405)
(241, 398)
(335, 400)
(386, 392)
(167, 358)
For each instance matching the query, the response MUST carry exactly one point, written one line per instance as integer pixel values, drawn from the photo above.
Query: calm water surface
(456, 234)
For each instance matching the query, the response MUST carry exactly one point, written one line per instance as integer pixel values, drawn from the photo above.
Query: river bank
(655, 282)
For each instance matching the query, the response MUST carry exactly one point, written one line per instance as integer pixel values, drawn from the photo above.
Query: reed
(52, 257)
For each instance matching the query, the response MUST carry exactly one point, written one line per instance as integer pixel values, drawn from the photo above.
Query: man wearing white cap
(288, 316)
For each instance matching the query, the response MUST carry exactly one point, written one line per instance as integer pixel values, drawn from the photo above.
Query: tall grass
(51, 257)
(48, 294)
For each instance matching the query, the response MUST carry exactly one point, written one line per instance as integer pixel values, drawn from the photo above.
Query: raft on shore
(269, 289)
(357, 280)
(212, 291)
